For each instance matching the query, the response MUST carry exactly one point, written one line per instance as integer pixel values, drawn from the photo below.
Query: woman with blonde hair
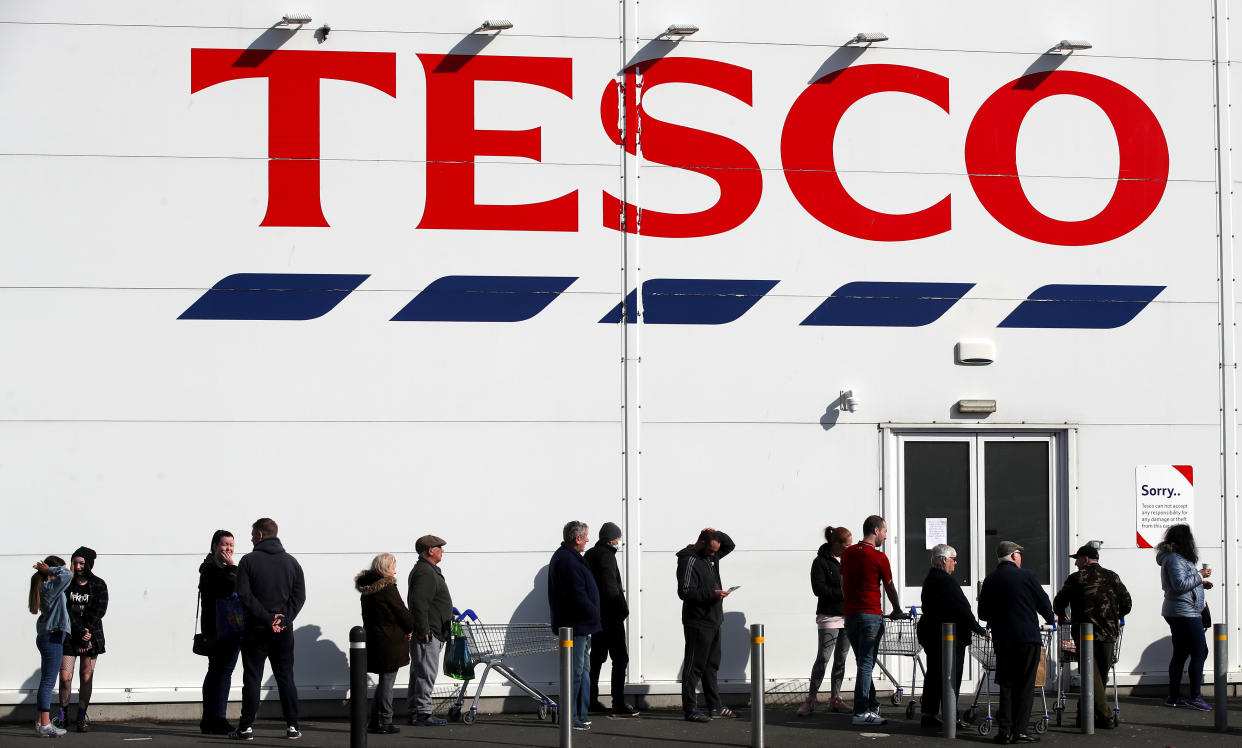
(829, 618)
(388, 625)
(47, 599)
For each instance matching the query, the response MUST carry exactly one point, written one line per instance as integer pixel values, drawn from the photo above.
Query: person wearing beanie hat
(87, 597)
(601, 559)
(1009, 601)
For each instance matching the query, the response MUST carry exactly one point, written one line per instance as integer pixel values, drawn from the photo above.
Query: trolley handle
(460, 616)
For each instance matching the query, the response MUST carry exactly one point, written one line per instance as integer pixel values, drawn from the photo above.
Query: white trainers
(870, 718)
(48, 731)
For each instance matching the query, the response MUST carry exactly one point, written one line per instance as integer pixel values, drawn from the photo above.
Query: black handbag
(202, 642)
(1207, 616)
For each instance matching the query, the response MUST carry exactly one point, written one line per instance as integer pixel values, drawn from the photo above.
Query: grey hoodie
(1183, 587)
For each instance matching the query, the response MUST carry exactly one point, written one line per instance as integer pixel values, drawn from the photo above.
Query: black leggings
(1188, 642)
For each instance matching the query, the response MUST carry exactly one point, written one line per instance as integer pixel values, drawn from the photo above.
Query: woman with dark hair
(47, 598)
(217, 581)
(389, 625)
(829, 618)
(1183, 586)
(88, 602)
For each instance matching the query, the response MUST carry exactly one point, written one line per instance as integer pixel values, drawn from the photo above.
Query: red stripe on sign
(1188, 471)
(1142, 543)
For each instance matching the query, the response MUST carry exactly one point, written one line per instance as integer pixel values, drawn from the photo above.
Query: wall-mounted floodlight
(496, 24)
(1069, 45)
(681, 29)
(869, 37)
(976, 406)
(295, 19)
(975, 352)
(1096, 544)
(848, 401)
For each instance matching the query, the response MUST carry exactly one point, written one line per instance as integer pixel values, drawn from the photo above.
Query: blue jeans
(582, 677)
(864, 631)
(219, 678)
(51, 648)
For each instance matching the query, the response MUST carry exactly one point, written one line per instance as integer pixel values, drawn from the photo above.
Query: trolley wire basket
(983, 652)
(1067, 654)
(491, 644)
(900, 639)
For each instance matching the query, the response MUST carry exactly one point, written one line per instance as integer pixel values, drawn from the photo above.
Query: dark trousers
(1188, 642)
(610, 643)
(1015, 674)
(700, 664)
(1102, 660)
(933, 685)
(219, 678)
(257, 647)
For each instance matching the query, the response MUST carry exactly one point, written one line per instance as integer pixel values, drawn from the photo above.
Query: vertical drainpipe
(630, 361)
(1228, 313)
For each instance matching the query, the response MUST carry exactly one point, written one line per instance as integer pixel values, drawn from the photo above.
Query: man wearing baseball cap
(431, 606)
(1097, 596)
(1009, 601)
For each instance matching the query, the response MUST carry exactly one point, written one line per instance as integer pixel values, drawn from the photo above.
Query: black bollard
(1086, 675)
(357, 687)
(948, 666)
(1220, 664)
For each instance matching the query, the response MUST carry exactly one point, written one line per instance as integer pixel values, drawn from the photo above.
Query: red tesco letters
(453, 144)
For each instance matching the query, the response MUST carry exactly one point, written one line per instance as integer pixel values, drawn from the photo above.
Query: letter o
(991, 158)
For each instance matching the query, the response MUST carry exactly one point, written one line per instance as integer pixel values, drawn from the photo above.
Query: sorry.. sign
(1164, 497)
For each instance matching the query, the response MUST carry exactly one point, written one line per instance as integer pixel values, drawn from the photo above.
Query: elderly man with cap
(601, 559)
(1009, 601)
(431, 607)
(1097, 596)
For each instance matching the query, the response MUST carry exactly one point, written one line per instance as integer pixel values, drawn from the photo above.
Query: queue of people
(248, 609)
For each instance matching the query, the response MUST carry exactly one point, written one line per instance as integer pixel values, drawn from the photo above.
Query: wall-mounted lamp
(848, 402)
(1070, 45)
(869, 37)
(295, 19)
(974, 352)
(976, 406)
(681, 29)
(496, 24)
(1096, 544)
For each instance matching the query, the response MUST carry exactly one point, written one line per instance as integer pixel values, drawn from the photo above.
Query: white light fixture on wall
(295, 19)
(974, 352)
(496, 24)
(681, 29)
(848, 402)
(976, 406)
(1071, 45)
(869, 37)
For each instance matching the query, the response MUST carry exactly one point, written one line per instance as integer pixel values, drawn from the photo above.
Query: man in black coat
(1009, 601)
(613, 610)
(272, 589)
(702, 613)
(431, 609)
(943, 602)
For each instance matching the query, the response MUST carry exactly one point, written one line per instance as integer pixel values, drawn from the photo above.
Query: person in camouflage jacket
(1097, 596)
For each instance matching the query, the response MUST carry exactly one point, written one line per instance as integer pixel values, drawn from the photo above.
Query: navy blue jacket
(572, 594)
(270, 581)
(1009, 601)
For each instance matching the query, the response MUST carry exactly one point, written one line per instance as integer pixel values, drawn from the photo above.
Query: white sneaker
(870, 718)
(48, 731)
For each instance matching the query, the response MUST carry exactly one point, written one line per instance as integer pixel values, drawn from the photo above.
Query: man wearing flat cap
(431, 607)
(1009, 601)
(1097, 596)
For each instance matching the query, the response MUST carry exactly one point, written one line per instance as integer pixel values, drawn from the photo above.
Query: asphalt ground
(1144, 722)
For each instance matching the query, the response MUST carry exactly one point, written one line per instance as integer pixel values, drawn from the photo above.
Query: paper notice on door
(937, 529)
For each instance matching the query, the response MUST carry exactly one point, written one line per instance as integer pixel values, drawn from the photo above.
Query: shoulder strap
(198, 607)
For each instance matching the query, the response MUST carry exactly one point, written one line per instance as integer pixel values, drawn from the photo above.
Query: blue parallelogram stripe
(692, 301)
(886, 304)
(1081, 306)
(273, 296)
(483, 298)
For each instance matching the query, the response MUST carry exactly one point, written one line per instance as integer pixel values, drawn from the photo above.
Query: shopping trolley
(982, 651)
(901, 639)
(491, 644)
(1067, 653)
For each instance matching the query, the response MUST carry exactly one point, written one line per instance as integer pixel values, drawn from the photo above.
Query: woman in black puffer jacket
(829, 618)
(388, 625)
(217, 580)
